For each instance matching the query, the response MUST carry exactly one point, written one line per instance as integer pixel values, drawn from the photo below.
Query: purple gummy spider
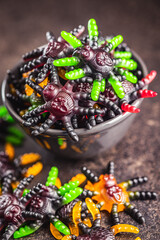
(55, 49)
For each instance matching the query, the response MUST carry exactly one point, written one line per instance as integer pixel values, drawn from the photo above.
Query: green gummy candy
(117, 86)
(92, 28)
(69, 61)
(95, 90)
(15, 131)
(60, 141)
(3, 111)
(14, 140)
(67, 187)
(75, 74)
(128, 64)
(61, 227)
(129, 76)
(73, 194)
(121, 54)
(24, 231)
(52, 176)
(103, 85)
(4, 114)
(115, 41)
(71, 39)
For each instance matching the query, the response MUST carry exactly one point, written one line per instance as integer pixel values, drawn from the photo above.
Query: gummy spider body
(12, 170)
(114, 197)
(37, 59)
(97, 61)
(13, 206)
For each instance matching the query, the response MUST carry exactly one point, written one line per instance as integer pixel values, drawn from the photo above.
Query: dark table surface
(22, 27)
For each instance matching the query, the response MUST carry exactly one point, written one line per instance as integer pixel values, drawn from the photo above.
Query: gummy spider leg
(22, 185)
(89, 175)
(6, 183)
(33, 85)
(50, 36)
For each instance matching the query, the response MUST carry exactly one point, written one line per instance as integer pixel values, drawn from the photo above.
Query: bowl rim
(81, 131)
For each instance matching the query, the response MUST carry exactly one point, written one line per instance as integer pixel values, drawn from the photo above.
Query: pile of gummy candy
(73, 210)
(77, 80)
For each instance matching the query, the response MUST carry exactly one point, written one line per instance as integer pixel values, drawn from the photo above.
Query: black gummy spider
(13, 206)
(102, 67)
(62, 104)
(95, 59)
(100, 63)
(48, 203)
(115, 197)
(55, 49)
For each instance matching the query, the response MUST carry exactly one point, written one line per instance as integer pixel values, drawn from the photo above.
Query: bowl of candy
(77, 95)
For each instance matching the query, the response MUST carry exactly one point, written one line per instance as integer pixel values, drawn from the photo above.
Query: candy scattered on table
(73, 212)
(90, 228)
(77, 80)
(12, 169)
(49, 201)
(114, 197)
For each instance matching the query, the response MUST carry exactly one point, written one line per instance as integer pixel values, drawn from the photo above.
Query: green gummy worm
(8, 118)
(73, 194)
(4, 114)
(61, 227)
(15, 131)
(75, 74)
(3, 111)
(126, 55)
(115, 41)
(103, 85)
(129, 76)
(52, 176)
(60, 141)
(96, 89)
(13, 139)
(117, 86)
(128, 64)
(67, 187)
(92, 28)
(24, 231)
(68, 61)
(72, 40)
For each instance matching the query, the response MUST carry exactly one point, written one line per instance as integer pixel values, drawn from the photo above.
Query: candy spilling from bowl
(78, 81)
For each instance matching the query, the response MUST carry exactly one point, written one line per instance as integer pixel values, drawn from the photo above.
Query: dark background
(23, 25)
